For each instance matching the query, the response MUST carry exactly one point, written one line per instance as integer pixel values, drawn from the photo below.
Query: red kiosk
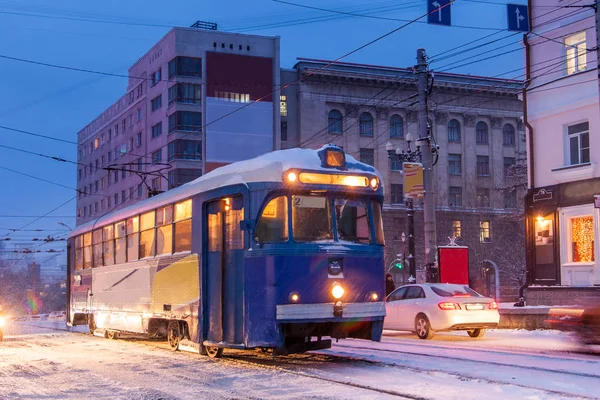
(453, 264)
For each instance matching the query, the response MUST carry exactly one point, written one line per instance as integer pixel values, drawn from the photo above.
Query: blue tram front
(314, 266)
(284, 251)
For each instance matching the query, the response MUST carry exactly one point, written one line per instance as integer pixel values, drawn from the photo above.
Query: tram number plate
(309, 202)
(474, 307)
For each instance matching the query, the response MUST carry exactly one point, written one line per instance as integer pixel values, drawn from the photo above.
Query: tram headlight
(292, 177)
(374, 183)
(337, 291)
(2, 321)
(374, 296)
(294, 297)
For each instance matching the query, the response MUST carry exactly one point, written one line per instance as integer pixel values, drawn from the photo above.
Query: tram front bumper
(330, 312)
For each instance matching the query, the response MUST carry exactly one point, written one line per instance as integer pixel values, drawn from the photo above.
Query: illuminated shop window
(582, 239)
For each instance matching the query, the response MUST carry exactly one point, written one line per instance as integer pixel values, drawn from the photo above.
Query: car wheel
(423, 327)
(475, 333)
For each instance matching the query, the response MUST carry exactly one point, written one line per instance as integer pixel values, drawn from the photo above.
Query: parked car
(431, 307)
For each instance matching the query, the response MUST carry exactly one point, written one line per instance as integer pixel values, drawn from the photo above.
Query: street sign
(518, 17)
(438, 12)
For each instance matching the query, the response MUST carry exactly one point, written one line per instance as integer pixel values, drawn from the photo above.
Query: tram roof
(268, 167)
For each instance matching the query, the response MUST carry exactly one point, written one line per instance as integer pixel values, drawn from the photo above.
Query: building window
(157, 156)
(483, 166)
(456, 228)
(116, 198)
(395, 164)
(481, 133)
(233, 97)
(139, 191)
(185, 66)
(366, 124)
(123, 149)
(157, 130)
(455, 196)
(453, 131)
(396, 126)
(483, 197)
(579, 143)
(284, 133)
(576, 52)
(116, 176)
(367, 156)
(484, 231)
(510, 199)
(187, 93)
(138, 141)
(185, 121)
(139, 114)
(182, 176)
(130, 145)
(508, 135)
(508, 163)
(283, 105)
(156, 77)
(80, 174)
(123, 125)
(156, 103)
(582, 239)
(123, 196)
(397, 194)
(454, 164)
(185, 150)
(334, 123)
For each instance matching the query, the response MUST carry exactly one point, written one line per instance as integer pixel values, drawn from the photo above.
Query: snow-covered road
(39, 361)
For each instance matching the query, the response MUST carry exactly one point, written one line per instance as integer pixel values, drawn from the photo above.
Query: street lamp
(409, 155)
(65, 225)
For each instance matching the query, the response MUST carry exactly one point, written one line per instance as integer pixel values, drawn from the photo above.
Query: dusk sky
(110, 35)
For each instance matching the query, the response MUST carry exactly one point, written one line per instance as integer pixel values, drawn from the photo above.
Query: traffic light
(399, 264)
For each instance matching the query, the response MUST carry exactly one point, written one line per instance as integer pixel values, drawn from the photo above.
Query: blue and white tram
(284, 251)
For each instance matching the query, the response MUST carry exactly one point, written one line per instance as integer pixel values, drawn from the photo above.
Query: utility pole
(427, 152)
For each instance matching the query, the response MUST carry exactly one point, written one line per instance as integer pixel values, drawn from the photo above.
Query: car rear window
(454, 291)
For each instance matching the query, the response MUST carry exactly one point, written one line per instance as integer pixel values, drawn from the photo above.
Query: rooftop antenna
(210, 26)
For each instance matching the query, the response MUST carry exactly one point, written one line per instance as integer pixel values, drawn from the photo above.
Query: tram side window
(133, 228)
(164, 230)
(120, 243)
(272, 226)
(379, 238)
(183, 226)
(147, 235)
(87, 250)
(78, 252)
(311, 219)
(352, 221)
(109, 245)
(234, 214)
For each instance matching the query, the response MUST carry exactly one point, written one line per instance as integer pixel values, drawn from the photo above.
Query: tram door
(224, 272)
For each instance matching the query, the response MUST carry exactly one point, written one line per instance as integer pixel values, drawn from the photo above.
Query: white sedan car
(430, 307)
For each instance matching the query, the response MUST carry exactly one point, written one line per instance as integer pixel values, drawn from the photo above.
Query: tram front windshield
(313, 219)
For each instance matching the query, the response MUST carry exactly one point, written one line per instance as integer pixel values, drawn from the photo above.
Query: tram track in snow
(290, 365)
(542, 357)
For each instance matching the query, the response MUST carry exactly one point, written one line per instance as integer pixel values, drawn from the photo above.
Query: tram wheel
(112, 335)
(475, 333)
(174, 335)
(214, 352)
(92, 324)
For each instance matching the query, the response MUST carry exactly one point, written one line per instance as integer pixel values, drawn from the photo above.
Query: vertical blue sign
(439, 12)
(518, 17)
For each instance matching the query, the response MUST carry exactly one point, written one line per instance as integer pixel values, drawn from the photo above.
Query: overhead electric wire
(36, 134)
(59, 159)
(380, 18)
(46, 215)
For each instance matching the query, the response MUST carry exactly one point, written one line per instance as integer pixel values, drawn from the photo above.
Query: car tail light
(493, 305)
(448, 305)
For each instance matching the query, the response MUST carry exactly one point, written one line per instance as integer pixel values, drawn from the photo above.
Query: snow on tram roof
(268, 167)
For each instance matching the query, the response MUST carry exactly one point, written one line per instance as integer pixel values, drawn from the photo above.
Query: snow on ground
(38, 363)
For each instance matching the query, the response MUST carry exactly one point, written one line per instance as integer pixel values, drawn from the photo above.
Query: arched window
(335, 122)
(366, 124)
(508, 133)
(453, 131)
(481, 133)
(396, 126)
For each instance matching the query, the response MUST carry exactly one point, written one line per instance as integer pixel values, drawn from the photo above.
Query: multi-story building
(562, 117)
(185, 113)
(476, 121)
